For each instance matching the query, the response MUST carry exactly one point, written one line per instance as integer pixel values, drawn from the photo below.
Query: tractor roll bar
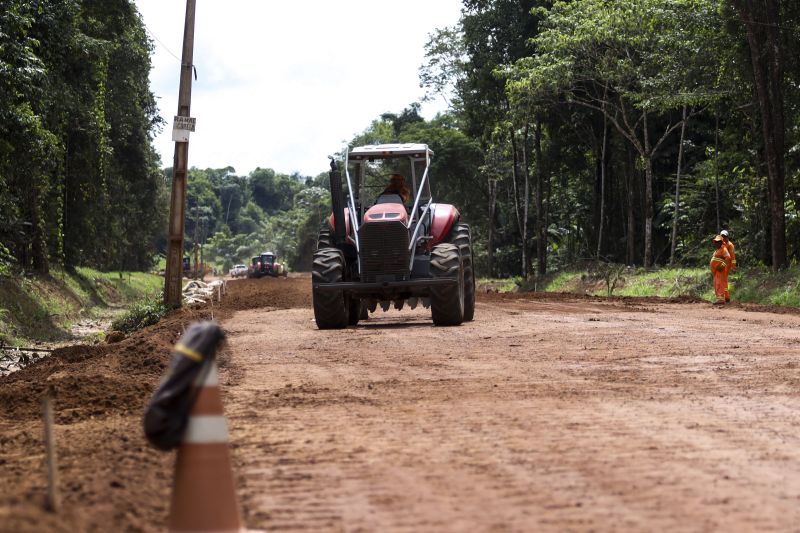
(413, 241)
(419, 191)
(352, 204)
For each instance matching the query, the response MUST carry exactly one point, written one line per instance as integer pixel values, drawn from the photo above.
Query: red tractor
(266, 265)
(383, 250)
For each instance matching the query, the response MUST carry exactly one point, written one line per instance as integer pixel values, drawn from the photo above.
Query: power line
(153, 35)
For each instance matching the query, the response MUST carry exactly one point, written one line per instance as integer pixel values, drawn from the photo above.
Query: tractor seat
(392, 199)
(389, 199)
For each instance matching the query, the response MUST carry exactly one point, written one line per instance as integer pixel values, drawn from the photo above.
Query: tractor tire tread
(330, 307)
(447, 302)
(462, 238)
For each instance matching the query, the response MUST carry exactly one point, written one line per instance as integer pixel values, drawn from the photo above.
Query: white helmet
(724, 233)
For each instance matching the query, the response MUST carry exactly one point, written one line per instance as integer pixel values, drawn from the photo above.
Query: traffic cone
(203, 492)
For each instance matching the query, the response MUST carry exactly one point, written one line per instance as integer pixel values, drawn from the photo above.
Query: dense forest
(625, 131)
(629, 131)
(77, 167)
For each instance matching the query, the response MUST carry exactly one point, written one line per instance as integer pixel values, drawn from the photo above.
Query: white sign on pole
(181, 127)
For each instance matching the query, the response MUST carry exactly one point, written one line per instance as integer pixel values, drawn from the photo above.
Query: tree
(631, 61)
(761, 20)
(77, 116)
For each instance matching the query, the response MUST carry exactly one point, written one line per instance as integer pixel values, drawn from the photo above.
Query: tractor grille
(384, 251)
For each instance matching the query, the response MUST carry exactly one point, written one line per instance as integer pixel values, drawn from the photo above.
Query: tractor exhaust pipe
(337, 203)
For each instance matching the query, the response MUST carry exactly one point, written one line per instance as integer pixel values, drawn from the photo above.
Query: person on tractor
(397, 185)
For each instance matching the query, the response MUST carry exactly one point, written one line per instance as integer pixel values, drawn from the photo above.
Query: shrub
(6, 261)
(141, 314)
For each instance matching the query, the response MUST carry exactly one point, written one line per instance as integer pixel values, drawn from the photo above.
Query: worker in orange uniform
(732, 265)
(719, 269)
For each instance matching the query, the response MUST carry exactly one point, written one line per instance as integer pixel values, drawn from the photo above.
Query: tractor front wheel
(331, 307)
(463, 240)
(447, 301)
(357, 311)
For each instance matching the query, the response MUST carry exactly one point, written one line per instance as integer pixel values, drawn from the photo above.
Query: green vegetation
(615, 132)
(231, 218)
(113, 288)
(141, 314)
(560, 282)
(80, 183)
(626, 131)
(500, 285)
(758, 285)
(44, 307)
(763, 286)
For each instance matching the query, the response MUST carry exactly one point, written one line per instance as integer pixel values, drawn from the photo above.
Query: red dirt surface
(547, 413)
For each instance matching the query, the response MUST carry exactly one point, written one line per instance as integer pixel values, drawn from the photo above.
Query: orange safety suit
(719, 269)
(731, 264)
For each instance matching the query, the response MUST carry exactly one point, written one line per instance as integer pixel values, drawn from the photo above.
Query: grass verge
(757, 285)
(141, 314)
(44, 308)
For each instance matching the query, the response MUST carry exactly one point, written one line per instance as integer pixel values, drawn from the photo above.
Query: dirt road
(544, 414)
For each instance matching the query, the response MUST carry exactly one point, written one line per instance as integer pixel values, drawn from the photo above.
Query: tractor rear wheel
(324, 239)
(447, 301)
(331, 307)
(462, 238)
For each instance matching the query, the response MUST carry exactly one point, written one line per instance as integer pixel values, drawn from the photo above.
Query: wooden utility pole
(177, 209)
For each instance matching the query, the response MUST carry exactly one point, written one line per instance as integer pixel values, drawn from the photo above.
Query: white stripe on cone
(206, 430)
(211, 377)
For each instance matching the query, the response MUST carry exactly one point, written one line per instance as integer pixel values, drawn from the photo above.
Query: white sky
(282, 84)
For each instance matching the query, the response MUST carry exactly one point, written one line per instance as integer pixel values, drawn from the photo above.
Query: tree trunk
(676, 212)
(648, 196)
(630, 254)
(541, 227)
(646, 151)
(602, 186)
(526, 203)
(515, 190)
(490, 238)
(761, 20)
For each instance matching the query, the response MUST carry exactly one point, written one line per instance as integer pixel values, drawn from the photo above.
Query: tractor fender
(443, 216)
(346, 223)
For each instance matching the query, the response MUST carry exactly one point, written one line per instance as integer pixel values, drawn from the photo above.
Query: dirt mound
(100, 392)
(97, 380)
(277, 293)
(110, 478)
(101, 380)
(777, 309)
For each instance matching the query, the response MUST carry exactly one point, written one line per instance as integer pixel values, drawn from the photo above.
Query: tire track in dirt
(554, 415)
(548, 413)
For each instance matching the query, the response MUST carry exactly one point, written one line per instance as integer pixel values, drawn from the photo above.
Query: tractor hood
(385, 212)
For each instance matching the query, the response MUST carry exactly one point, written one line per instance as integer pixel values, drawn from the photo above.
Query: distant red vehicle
(266, 264)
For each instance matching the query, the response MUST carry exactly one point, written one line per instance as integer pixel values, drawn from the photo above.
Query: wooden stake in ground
(53, 502)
